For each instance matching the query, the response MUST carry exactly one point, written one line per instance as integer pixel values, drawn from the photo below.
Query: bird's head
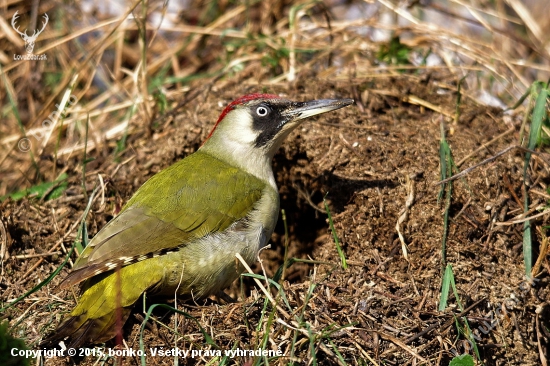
(261, 122)
(252, 128)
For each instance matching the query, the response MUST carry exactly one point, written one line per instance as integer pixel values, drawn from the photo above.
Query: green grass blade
(81, 241)
(335, 236)
(524, 96)
(458, 98)
(272, 283)
(471, 338)
(447, 166)
(278, 276)
(527, 245)
(539, 114)
(449, 283)
(337, 353)
(84, 158)
(443, 152)
(46, 190)
(445, 287)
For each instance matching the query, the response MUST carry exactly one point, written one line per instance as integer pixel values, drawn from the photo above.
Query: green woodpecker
(180, 231)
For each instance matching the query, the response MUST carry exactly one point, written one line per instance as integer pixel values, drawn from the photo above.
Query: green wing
(175, 206)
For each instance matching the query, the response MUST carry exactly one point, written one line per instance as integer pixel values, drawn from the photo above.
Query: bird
(180, 231)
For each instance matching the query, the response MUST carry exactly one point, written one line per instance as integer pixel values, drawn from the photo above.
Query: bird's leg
(225, 297)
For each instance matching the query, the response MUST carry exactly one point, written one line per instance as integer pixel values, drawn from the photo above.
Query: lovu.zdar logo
(29, 40)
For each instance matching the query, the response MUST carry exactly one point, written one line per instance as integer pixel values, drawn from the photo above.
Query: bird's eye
(262, 111)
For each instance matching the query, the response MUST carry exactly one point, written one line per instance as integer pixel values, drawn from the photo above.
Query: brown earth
(369, 160)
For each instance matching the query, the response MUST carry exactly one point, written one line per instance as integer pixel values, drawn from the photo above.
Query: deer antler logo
(29, 40)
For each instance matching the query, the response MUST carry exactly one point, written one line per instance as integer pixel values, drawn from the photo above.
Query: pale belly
(209, 265)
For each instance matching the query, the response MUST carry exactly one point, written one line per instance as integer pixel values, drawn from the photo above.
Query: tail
(82, 329)
(104, 307)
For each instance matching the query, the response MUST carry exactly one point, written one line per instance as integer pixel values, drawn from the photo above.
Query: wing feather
(173, 208)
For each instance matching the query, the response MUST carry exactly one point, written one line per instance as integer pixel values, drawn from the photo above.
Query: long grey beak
(301, 110)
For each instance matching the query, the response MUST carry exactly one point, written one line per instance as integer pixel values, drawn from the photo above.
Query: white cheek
(241, 130)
